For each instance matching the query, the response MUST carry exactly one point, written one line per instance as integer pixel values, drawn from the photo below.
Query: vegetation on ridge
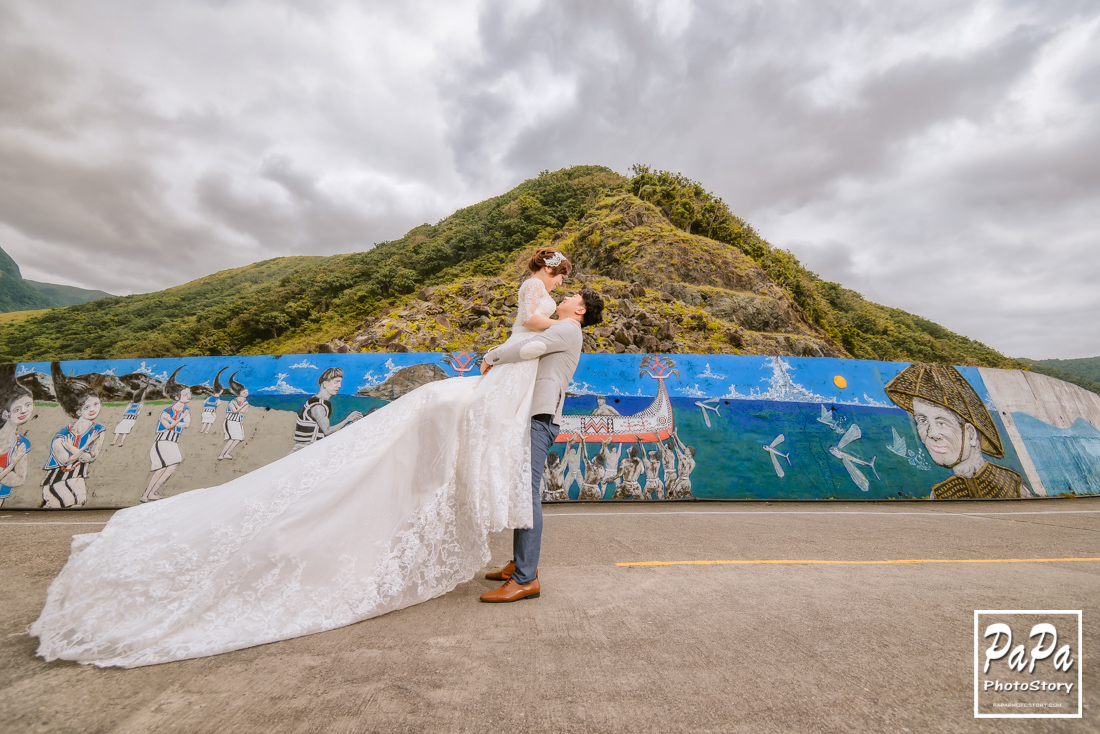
(1084, 372)
(866, 330)
(725, 277)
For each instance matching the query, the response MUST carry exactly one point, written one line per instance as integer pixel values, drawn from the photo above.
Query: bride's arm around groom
(558, 350)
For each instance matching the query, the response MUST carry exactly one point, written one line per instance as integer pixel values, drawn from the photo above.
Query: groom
(558, 349)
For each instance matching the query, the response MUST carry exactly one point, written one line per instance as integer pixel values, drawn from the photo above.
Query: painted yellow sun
(840, 382)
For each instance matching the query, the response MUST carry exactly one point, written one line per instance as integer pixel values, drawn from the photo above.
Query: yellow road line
(855, 563)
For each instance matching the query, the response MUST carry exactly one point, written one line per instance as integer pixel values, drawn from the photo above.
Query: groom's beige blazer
(558, 350)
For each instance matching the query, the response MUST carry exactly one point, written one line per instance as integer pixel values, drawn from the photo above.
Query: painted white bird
(851, 460)
(770, 448)
(829, 419)
(898, 446)
(705, 405)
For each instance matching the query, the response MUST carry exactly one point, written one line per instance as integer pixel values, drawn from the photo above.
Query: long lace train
(391, 511)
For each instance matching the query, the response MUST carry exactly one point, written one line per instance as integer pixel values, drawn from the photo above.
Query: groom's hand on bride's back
(485, 367)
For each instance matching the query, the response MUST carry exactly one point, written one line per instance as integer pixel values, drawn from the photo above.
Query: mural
(637, 427)
(957, 430)
(164, 455)
(75, 447)
(129, 418)
(313, 420)
(1055, 424)
(16, 409)
(234, 416)
(210, 405)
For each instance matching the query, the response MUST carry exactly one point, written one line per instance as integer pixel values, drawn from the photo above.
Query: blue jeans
(526, 543)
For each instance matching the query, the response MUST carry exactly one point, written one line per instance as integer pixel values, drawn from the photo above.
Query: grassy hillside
(11, 317)
(292, 304)
(170, 322)
(658, 231)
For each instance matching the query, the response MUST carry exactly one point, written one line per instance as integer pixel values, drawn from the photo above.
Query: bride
(393, 510)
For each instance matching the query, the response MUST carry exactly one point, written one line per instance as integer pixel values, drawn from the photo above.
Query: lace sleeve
(530, 293)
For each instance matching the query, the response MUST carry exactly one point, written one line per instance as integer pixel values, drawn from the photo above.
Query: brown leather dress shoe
(512, 591)
(503, 574)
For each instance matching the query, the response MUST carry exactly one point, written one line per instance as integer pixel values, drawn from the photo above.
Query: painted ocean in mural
(782, 428)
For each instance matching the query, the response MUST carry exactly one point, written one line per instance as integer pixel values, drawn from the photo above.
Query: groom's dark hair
(593, 309)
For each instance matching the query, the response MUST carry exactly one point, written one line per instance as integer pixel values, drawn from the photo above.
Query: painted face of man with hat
(956, 430)
(951, 441)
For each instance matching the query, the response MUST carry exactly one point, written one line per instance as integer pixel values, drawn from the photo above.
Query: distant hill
(1084, 372)
(66, 295)
(678, 270)
(17, 294)
(1086, 367)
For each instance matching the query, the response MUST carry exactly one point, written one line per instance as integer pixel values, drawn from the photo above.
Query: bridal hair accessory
(556, 260)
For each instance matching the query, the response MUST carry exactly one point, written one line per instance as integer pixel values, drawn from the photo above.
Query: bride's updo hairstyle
(538, 261)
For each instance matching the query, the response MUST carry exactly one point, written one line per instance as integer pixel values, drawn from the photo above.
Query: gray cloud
(937, 157)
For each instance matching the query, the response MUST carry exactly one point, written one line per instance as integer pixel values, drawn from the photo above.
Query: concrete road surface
(738, 647)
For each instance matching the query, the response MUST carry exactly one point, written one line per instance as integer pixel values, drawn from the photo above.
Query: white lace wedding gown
(393, 510)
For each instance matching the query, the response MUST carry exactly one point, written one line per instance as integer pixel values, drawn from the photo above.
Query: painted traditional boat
(652, 424)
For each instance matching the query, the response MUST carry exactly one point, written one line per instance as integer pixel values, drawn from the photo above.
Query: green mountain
(66, 295)
(1084, 372)
(17, 294)
(678, 270)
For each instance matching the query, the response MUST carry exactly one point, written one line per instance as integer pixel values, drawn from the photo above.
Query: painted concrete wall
(1053, 425)
(637, 427)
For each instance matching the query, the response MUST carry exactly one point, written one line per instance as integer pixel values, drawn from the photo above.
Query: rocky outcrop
(665, 291)
(40, 385)
(405, 380)
(477, 314)
(334, 347)
(119, 389)
(627, 239)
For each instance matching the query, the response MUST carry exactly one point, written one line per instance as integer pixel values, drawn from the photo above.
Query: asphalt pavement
(699, 617)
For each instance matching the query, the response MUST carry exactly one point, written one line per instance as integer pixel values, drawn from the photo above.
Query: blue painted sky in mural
(787, 379)
(784, 379)
(294, 374)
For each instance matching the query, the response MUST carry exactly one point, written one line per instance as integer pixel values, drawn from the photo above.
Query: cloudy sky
(941, 157)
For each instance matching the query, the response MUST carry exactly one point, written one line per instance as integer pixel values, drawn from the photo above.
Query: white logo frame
(1079, 663)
